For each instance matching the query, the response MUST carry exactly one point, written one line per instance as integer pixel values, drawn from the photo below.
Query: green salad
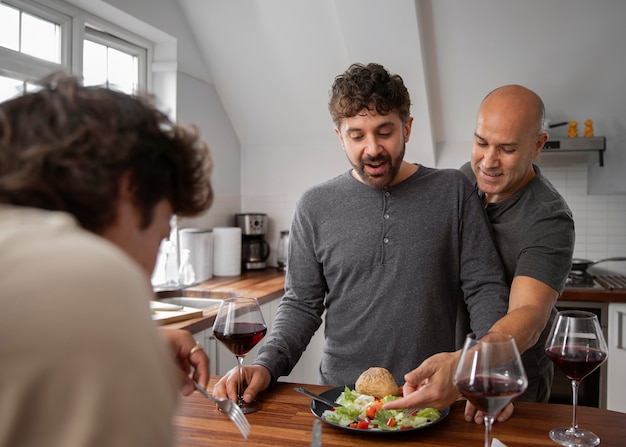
(365, 412)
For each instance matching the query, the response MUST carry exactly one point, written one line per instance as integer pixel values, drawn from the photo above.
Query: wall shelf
(577, 145)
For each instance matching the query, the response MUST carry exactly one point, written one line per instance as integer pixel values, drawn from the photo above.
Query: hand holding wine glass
(577, 346)
(239, 325)
(490, 374)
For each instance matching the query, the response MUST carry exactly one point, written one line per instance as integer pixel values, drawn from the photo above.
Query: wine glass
(239, 325)
(577, 346)
(490, 374)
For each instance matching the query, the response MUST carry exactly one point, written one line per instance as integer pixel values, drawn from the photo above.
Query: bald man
(532, 223)
(534, 231)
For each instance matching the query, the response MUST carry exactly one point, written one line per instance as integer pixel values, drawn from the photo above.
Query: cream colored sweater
(81, 362)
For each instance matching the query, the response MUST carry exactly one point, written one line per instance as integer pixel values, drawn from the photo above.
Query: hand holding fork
(229, 408)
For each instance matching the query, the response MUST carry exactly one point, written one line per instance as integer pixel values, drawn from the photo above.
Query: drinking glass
(239, 325)
(577, 346)
(490, 374)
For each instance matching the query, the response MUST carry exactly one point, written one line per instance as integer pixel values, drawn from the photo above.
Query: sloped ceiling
(273, 62)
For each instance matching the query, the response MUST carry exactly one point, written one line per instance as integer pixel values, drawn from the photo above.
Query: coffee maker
(254, 248)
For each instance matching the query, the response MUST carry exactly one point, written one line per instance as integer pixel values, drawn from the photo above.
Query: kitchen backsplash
(600, 219)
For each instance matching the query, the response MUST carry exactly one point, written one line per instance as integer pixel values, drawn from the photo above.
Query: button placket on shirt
(386, 216)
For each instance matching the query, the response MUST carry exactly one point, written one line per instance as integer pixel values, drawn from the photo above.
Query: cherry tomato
(363, 425)
(373, 408)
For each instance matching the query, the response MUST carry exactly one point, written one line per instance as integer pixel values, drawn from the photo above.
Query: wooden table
(286, 420)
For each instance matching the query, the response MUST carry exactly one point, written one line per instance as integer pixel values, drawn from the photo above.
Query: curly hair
(65, 148)
(369, 87)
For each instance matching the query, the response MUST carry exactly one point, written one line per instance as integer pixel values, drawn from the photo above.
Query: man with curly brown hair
(388, 251)
(89, 179)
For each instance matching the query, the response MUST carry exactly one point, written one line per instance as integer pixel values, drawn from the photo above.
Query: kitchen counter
(597, 295)
(264, 285)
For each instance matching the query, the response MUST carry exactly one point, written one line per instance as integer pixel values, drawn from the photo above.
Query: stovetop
(583, 280)
(611, 282)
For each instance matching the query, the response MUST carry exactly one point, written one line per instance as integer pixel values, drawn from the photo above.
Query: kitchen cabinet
(222, 360)
(616, 396)
(307, 368)
(208, 342)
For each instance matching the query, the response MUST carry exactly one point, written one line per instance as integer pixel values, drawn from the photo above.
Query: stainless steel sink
(195, 303)
(197, 299)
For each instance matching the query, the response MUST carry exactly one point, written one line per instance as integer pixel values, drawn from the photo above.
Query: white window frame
(26, 67)
(107, 34)
(76, 24)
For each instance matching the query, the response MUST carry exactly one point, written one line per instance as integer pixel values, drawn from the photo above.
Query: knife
(330, 403)
(316, 437)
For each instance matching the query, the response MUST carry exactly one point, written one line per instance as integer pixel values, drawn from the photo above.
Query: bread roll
(377, 382)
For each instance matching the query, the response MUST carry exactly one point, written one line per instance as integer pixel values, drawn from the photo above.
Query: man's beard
(384, 179)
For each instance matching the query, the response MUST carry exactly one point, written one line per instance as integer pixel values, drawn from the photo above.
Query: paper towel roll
(199, 242)
(226, 251)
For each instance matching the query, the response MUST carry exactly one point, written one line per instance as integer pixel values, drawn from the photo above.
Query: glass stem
(488, 424)
(240, 400)
(575, 384)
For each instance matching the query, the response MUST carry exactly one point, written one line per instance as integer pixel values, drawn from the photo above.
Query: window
(36, 40)
(110, 61)
(12, 87)
(29, 34)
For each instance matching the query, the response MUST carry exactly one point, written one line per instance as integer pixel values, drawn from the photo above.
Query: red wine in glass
(490, 394)
(577, 346)
(490, 374)
(242, 336)
(239, 325)
(576, 362)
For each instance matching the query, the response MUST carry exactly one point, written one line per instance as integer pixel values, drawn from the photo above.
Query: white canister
(199, 242)
(226, 251)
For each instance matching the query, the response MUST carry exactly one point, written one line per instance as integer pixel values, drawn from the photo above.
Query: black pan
(580, 265)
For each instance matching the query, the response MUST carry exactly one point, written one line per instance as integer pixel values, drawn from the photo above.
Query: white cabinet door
(209, 344)
(306, 371)
(307, 368)
(616, 387)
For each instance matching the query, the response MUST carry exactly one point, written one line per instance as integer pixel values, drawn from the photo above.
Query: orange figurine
(588, 128)
(572, 132)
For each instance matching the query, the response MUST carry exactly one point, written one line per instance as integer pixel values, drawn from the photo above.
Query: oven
(592, 389)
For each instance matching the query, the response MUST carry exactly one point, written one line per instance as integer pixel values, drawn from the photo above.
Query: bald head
(507, 139)
(516, 102)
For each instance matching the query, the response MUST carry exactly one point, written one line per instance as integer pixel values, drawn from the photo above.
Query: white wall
(570, 51)
(193, 98)
(199, 103)
(577, 72)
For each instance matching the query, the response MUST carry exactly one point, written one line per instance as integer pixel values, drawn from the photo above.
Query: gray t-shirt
(534, 231)
(389, 267)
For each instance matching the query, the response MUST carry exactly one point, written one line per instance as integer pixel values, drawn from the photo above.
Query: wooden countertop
(268, 284)
(286, 419)
(594, 295)
(264, 285)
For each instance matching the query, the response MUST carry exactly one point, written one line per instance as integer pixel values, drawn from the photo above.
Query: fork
(230, 408)
(409, 411)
